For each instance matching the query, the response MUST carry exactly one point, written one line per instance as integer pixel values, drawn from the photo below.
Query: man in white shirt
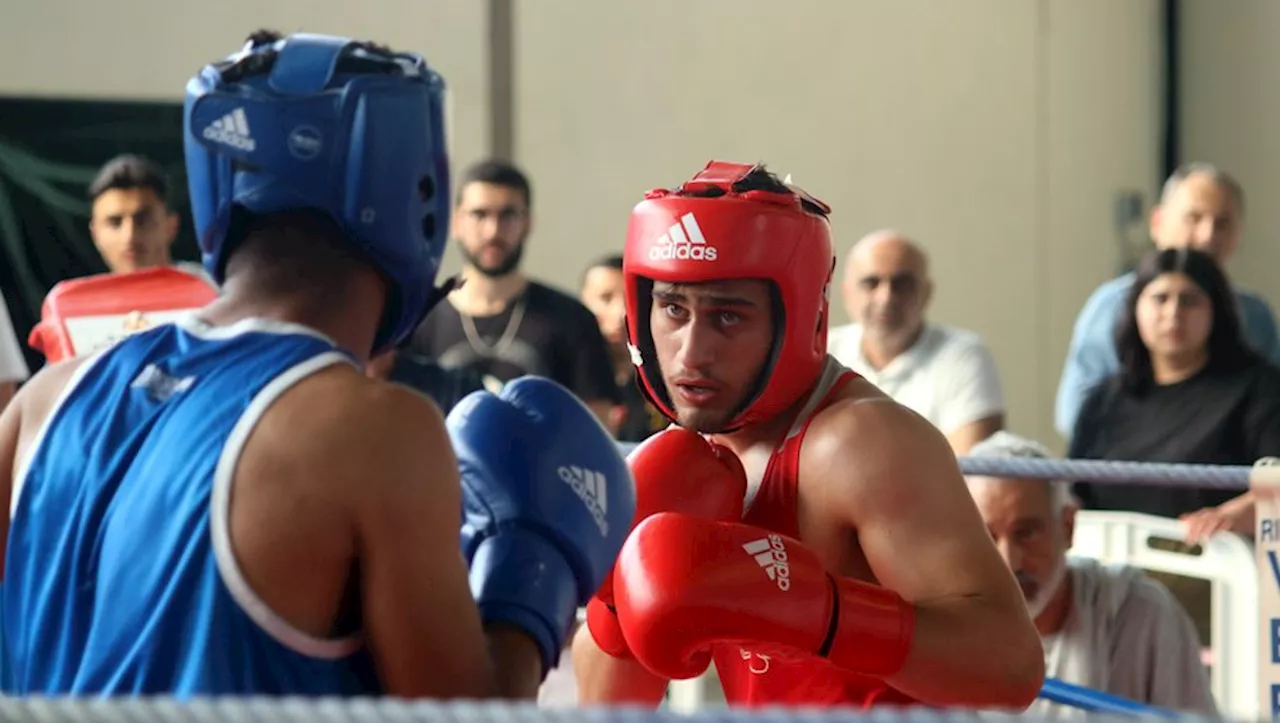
(1106, 627)
(13, 366)
(946, 374)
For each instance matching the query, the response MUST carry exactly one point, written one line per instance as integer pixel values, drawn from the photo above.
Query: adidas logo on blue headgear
(326, 123)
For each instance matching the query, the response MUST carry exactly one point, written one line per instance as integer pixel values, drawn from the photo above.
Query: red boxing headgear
(713, 228)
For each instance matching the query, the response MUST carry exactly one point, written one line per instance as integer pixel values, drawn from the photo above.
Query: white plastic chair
(1226, 561)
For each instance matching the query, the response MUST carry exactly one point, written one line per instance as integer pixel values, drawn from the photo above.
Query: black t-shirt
(640, 419)
(446, 386)
(542, 332)
(1211, 418)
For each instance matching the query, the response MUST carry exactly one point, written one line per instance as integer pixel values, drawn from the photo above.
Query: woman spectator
(1189, 390)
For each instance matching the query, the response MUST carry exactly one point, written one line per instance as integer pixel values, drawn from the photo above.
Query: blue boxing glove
(547, 503)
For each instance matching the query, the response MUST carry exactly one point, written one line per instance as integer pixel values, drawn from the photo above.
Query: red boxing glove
(674, 470)
(683, 584)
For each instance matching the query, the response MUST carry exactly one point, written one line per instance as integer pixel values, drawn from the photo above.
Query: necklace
(483, 348)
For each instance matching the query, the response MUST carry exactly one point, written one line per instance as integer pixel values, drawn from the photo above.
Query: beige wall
(1231, 117)
(995, 131)
(94, 57)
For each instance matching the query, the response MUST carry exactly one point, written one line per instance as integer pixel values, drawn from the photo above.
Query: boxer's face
(602, 293)
(1174, 317)
(1031, 532)
(490, 224)
(712, 341)
(1199, 214)
(132, 229)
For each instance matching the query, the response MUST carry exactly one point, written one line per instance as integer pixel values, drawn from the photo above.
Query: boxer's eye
(673, 311)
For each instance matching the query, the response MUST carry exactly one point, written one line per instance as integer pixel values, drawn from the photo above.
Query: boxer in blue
(227, 505)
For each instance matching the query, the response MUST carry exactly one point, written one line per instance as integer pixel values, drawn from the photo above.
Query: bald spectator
(13, 367)
(1107, 627)
(1201, 207)
(946, 374)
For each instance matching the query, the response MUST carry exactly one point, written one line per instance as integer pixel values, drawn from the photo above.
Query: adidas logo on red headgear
(684, 242)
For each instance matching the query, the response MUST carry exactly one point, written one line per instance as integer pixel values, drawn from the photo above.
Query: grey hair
(1221, 178)
(1006, 445)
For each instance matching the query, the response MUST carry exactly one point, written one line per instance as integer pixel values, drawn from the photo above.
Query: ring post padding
(1264, 484)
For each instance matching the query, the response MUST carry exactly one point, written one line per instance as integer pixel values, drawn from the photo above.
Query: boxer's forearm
(517, 663)
(605, 680)
(972, 652)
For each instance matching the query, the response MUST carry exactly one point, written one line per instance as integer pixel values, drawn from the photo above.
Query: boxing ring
(1262, 682)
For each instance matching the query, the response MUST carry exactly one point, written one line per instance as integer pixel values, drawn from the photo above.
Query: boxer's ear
(172, 221)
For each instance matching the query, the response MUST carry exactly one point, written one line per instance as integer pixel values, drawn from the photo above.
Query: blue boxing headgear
(346, 128)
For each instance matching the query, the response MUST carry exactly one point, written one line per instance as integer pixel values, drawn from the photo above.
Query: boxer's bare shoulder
(20, 423)
(25, 414)
(349, 485)
(363, 448)
(340, 422)
(889, 480)
(883, 471)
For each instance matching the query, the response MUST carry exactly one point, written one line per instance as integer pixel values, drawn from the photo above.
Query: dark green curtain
(50, 150)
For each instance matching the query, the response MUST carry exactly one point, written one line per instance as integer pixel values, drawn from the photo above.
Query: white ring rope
(1236, 477)
(298, 710)
(1090, 470)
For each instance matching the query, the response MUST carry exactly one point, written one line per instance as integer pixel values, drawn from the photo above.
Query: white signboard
(93, 333)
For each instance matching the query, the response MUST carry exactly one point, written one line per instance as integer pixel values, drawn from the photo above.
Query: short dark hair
(127, 172)
(1228, 351)
(497, 173)
(760, 178)
(608, 261)
(303, 248)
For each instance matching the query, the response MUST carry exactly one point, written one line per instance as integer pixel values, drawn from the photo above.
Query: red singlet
(752, 678)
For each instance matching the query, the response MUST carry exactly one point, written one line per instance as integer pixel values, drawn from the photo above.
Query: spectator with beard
(500, 324)
(1108, 627)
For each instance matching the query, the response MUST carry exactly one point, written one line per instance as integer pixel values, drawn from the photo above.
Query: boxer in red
(857, 571)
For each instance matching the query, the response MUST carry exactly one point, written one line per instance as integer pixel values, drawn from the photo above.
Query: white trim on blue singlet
(220, 505)
(20, 477)
(197, 327)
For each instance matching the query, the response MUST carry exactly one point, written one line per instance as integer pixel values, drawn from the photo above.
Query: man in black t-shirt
(446, 387)
(499, 324)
